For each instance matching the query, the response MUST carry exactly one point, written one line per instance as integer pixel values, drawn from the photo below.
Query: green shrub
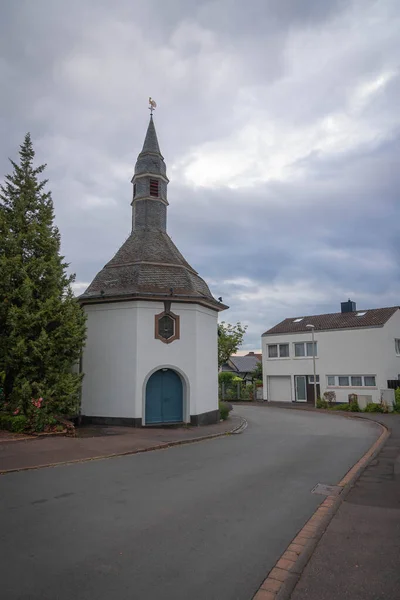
(19, 423)
(354, 407)
(226, 377)
(5, 422)
(247, 392)
(14, 423)
(396, 405)
(344, 406)
(373, 408)
(321, 403)
(224, 410)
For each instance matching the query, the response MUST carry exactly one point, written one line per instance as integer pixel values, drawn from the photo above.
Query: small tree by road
(230, 338)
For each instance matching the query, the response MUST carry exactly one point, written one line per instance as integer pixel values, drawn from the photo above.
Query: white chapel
(151, 350)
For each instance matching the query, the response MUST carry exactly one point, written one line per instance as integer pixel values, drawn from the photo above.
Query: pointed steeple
(149, 203)
(151, 141)
(148, 265)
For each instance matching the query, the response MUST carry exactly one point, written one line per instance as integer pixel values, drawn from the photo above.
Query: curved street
(205, 520)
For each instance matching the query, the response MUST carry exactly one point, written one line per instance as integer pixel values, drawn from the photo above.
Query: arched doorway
(164, 398)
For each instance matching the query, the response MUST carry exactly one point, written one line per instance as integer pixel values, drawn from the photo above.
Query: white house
(356, 352)
(151, 350)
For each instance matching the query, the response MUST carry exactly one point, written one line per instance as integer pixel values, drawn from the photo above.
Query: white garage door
(279, 389)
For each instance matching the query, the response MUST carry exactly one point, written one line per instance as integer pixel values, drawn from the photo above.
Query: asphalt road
(201, 521)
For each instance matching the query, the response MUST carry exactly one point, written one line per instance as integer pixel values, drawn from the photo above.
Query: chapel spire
(149, 203)
(151, 141)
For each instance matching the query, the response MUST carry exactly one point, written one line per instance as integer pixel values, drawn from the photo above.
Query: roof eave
(322, 330)
(153, 297)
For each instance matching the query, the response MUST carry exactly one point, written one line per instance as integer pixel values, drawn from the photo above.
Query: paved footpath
(358, 557)
(100, 442)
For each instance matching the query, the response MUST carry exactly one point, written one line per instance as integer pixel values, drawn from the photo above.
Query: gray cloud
(278, 121)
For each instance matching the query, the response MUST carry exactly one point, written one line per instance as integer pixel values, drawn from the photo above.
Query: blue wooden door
(164, 398)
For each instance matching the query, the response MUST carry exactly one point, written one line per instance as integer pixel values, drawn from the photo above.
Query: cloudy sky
(279, 122)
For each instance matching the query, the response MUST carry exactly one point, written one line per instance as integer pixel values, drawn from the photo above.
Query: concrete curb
(235, 430)
(25, 438)
(284, 576)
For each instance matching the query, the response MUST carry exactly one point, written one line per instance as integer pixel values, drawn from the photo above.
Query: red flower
(16, 411)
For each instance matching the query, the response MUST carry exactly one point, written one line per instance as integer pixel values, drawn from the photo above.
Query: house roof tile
(374, 317)
(244, 364)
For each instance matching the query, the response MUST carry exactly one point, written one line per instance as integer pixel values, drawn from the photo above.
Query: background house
(356, 352)
(243, 366)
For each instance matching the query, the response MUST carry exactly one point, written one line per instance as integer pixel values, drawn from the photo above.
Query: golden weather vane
(152, 105)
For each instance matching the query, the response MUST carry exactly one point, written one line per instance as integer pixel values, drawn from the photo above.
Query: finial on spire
(152, 105)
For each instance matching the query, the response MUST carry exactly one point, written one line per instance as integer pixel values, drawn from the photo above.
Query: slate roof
(149, 265)
(150, 159)
(374, 317)
(244, 364)
(150, 141)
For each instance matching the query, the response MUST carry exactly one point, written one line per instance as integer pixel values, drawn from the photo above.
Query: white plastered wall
(122, 352)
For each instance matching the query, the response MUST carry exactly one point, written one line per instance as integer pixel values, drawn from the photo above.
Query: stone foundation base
(111, 421)
(207, 418)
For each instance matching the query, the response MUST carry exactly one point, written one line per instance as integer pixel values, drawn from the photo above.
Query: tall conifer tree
(42, 327)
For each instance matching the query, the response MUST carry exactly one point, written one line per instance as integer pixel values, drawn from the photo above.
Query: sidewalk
(358, 557)
(103, 442)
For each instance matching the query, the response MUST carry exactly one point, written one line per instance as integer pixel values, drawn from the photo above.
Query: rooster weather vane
(152, 105)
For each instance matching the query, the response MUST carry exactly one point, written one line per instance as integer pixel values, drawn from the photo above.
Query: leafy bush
(247, 393)
(344, 406)
(226, 377)
(396, 405)
(321, 403)
(14, 423)
(373, 408)
(353, 406)
(224, 408)
(5, 422)
(19, 423)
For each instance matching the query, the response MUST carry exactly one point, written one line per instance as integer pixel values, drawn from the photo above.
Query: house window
(299, 349)
(278, 350)
(284, 350)
(352, 380)
(311, 351)
(311, 379)
(154, 187)
(305, 348)
(273, 351)
(134, 190)
(397, 346)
